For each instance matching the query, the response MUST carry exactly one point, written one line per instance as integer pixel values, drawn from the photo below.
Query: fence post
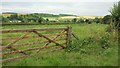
(69, 36)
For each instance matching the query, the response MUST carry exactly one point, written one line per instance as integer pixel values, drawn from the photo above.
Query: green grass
(91, 54)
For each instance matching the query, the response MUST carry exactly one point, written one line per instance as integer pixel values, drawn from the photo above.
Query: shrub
(104, 42)
(77, 45)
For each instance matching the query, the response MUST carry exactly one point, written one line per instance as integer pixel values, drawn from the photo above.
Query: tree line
(105, 20)
(39, 18)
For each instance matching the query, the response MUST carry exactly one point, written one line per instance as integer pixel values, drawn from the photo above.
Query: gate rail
(66, 31)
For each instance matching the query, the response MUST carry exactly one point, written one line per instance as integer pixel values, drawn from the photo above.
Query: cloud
(77, 8)
(59, 0)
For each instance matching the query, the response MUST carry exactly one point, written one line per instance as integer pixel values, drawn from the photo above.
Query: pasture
(96, 47)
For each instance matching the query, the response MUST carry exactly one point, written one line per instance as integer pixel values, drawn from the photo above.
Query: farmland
(60, 33)
(98, 48)
(44, 18)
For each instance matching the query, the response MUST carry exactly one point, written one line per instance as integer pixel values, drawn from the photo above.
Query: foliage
(79, 43)
(88, 21)
(13, 17)
(97, 20)
(108, 29)
(74, 20)
(115, 12)
(30, 18)
(23, 18)
(106, 19)
(80, 21)
(103, 41)
(66, 15)
(40, 18)
(47, 20)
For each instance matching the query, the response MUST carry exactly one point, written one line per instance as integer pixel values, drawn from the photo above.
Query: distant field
(91, 54)
(7, 15)
(64, 17)
(71, 17)
(52, 18)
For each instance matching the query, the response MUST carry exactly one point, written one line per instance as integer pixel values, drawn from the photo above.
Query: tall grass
(95, 48)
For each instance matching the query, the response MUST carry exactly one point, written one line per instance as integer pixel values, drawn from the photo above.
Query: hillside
(6, 14)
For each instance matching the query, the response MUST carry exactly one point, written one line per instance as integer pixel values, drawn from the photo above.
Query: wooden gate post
(69, 36)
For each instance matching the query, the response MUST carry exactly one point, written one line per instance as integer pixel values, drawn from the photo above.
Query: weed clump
(78, 44)
(102, 41)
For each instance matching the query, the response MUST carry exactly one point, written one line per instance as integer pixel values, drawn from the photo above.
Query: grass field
(72, 17)
(92, 38)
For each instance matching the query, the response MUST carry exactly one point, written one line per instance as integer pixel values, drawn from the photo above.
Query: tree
(74, 20)
(14, 17)
(80, 21)
(106, 19)
(5, 19)
(115, 12)
(40, 20)
(96, 20)
(47, 20)
(87, 21)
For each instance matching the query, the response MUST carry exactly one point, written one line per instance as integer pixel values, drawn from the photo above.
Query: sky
(75, 7)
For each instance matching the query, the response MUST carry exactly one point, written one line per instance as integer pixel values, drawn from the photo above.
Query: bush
(78, 45)
(104, 42)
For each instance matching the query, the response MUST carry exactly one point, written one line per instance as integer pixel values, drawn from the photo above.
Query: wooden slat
(2, 47)
(33, 36)
(53, 39)
(48, 39)
(28, 43)
(18, 57)
(38, 42)
(29, 49)
(10, 44)
(30, 30)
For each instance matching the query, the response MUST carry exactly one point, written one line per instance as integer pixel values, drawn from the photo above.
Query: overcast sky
(76, 7)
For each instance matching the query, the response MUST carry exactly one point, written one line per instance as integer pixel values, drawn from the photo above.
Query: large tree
(115, 12)
(74, 20)
(106, 19)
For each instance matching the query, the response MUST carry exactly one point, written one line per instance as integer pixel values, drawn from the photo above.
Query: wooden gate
(29, 42)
